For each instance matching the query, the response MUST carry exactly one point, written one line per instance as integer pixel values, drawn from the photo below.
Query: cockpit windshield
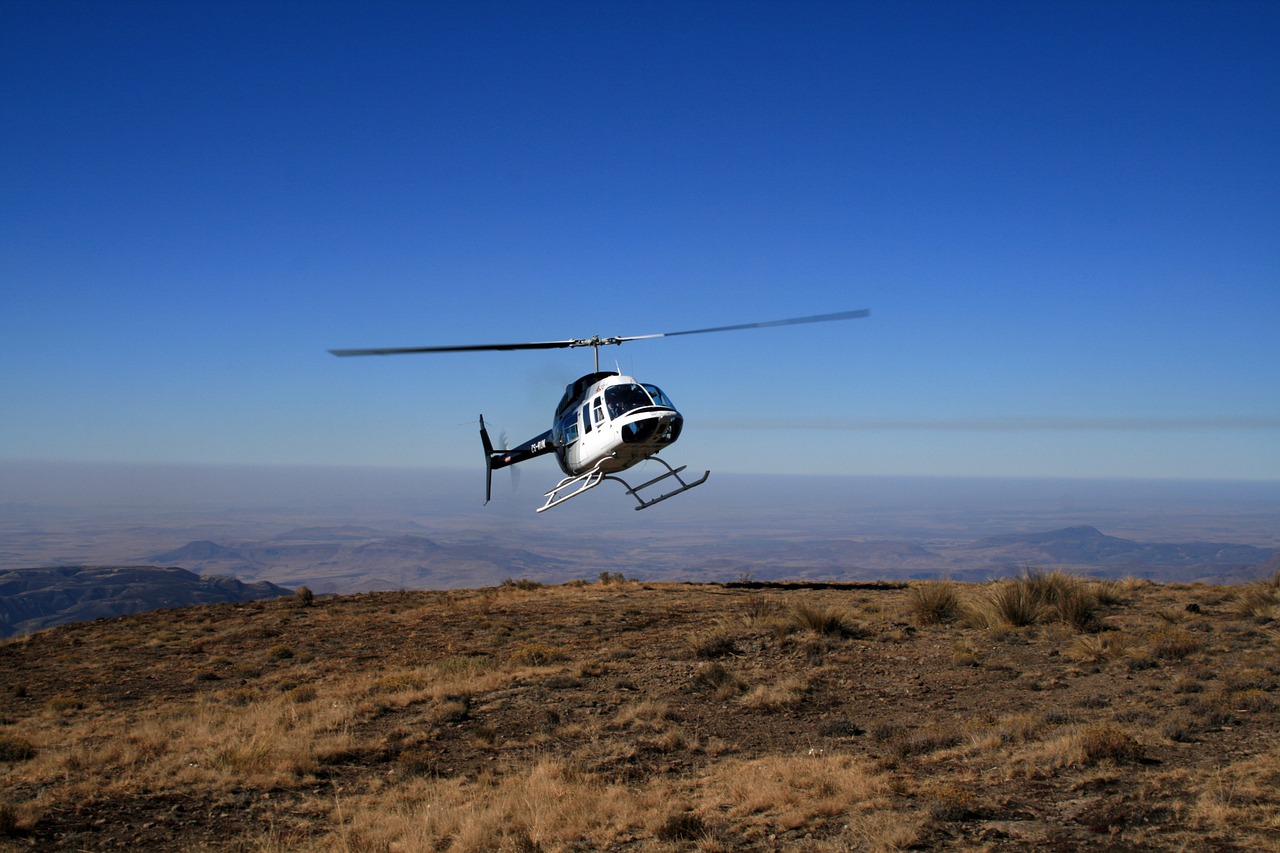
(659, 399)
(621, 399)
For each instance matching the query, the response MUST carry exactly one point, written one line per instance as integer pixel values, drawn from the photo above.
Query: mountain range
(346, 559)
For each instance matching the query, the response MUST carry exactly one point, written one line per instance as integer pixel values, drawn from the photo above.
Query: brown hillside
(1047, 713)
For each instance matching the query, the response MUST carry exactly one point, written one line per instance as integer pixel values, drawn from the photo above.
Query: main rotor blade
(599, 341)
(468, 348)
(794, 321)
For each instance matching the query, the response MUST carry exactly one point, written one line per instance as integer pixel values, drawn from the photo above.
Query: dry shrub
(933, 602)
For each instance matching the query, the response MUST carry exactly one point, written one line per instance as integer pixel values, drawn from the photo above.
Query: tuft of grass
(522, 583)
(784, 694)
(924, 741)
(1107, 743)
(723, 682)
(1174, 645)
(1034, 597)
(1075, 605)
(1259, 601)
(826, 621)
(682, 826)
(64, 704)
(1108, 592)
(715, 641)
(8, 820)
(534, 654)
(953, 802)
(933, 602)
(15, 748)
(1006, 603)
(1096, 648)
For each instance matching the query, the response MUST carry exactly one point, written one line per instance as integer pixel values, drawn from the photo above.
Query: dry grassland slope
(1043, 713)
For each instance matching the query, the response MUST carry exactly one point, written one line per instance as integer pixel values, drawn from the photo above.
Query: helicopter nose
(660, 429)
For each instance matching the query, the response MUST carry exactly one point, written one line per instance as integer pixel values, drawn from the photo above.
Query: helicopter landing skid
(594, 477)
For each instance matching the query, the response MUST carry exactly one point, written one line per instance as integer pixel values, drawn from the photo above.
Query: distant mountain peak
(201, 549)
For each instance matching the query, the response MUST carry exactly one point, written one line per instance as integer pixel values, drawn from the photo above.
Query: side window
(586, 419)
(597, 408)
(569, 428)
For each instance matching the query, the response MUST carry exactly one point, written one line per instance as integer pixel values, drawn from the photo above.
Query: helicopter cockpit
(620, 399)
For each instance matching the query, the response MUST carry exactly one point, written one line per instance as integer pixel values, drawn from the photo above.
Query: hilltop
(32, 599)
(1044, 713)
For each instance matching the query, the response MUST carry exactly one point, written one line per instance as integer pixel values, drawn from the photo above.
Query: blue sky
(1064, 217)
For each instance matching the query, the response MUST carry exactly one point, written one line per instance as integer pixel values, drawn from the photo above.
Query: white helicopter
(605, 423)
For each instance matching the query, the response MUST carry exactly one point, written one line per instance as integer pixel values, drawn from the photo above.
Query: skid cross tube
(671, 472)
(594, 477)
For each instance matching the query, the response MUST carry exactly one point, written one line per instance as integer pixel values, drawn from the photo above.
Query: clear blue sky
(1064, 217)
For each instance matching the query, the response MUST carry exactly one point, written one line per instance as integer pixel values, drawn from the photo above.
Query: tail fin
(536, 446)
(488, 461)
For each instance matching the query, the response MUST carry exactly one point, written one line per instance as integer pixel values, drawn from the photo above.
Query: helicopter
(605, 423)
